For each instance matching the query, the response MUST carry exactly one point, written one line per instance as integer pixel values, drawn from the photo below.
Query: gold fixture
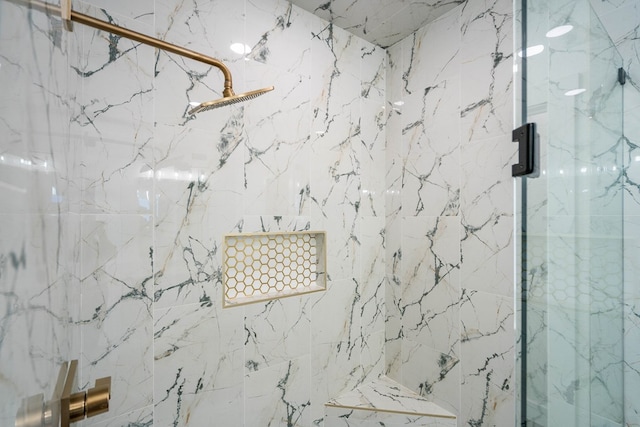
(228, 100)
(68, 15)
(265, 266)
(85, 404)
(64, 407)
(65, 13)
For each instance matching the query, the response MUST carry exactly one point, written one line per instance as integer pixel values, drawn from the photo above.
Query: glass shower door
(570, 248)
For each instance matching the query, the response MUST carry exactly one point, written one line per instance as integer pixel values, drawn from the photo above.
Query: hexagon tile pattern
(264, 266)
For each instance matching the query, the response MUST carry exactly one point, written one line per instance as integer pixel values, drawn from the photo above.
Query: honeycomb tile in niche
(264, 266)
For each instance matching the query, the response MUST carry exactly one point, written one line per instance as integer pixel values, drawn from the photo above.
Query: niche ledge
(384, 400)
(265, 266)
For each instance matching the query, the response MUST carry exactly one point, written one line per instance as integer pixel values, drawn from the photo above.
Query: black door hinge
(525, 136)
(622, 76)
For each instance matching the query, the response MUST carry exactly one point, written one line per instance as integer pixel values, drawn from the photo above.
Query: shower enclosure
(574, 306)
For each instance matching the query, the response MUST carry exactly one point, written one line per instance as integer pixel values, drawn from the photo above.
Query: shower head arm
(135, 36)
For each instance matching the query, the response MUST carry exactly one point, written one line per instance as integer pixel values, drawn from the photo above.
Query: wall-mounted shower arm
(133, 35)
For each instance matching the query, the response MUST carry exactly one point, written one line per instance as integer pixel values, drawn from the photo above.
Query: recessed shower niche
(264, 266)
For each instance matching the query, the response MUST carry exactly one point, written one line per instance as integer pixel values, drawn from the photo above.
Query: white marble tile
(341, 298)
(416, 15)
(198, 193)
(487, 362)
(379, 22)
(141, 11)
(373, 71)
(277, 223)
(433, 55)
(188, 260)
(276, 150)
(337, 341)
(393, 338)
(189, 24)
(335, 180)
(279, 35)
(279, 395)
(393, 206)
(335, 200)
(372, 159)
(115, 122)
(372, 296)
(487, 223)
(372, 355)
(372, 276)
(435, 376)
(335, 369)
(116, 308)
(197, 408)
(395, 69)
(469, 92)
(193, 166)
(431, 151)
(276, 331)
(198, 369)
(393, 294)
(430, 284)
(486, 69)
(335, 69)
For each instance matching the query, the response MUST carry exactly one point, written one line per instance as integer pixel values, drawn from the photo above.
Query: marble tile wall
(450, 333)
(149, 192)
(112, 193)
(381, 22)
(301, 163)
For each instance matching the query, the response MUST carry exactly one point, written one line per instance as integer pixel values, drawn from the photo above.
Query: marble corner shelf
(265, 266)
(384, 400)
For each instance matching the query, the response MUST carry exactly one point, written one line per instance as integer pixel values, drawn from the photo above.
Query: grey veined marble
(381, 22)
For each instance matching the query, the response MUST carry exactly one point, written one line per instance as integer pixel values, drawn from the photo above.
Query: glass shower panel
(571, 317)
(38, 260)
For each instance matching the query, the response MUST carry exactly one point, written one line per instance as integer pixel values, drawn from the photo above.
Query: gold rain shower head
(228, 100)
(68, 15)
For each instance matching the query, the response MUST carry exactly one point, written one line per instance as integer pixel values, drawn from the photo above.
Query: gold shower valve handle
(95, 401)
(75, 407)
